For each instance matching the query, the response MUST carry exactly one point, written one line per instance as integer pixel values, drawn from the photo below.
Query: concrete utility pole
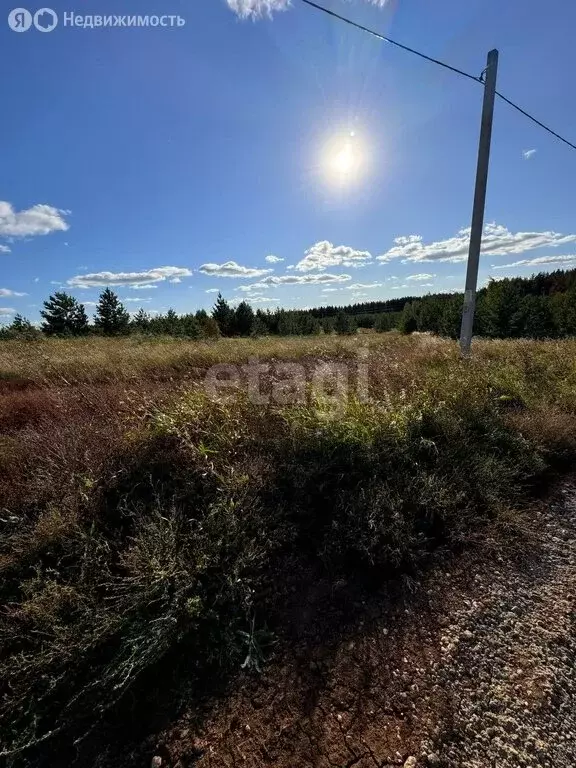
(479, 204)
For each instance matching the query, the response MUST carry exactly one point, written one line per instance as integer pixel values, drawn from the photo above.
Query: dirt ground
(471, 665)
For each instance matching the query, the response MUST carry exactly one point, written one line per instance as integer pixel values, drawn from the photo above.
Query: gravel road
(473, 668)
(509, 652)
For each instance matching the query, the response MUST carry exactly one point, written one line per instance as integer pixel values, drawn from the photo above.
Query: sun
(344, 158)
(344, 161)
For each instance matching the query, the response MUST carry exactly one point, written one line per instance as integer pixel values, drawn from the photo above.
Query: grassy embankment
(140, 516)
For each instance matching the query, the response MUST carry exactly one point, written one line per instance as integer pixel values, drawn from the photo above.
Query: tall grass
(136, 529)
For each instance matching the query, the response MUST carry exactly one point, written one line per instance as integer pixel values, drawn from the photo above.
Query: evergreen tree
(500, 306)
(170, 323)
(223, 315)
(384, 322)
(307, 324)
(22, 325)
(111, 317)
(563, 306)
(81, 323)
(141, 321)
(243, 319)
(19, 328)
(189, 326)
(533, 318)
(327, 324)
(259, 327)
(207, 325)
(408, 323)
(64, 316)
(287, 323)
(344, 325)
(451, 319)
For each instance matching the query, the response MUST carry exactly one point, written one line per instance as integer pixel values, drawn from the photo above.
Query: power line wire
(534, 120)
(389, 40)
(435, 61)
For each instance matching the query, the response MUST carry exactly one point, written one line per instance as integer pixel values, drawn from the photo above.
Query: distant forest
(542, 306)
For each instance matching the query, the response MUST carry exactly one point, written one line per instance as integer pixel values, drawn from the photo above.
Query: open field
(160, 517)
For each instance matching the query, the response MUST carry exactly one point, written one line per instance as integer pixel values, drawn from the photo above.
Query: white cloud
(6, 311)
(175, 280)
(140, 280)
(248, 9)
(562, 260)
(363, 286)
(253, 8)
(90, 303)
(4, 249)
(259, 300)
(332, 290)
(8, 292)
(137, 299)
(251, 287)
(323, 277)
(212, 290)
(143, 287)
(497, 240)
(528, 153)
(419, 278)
(36, 279)
(38, 220)
(323, 254)
(273, 259)
(232, 269)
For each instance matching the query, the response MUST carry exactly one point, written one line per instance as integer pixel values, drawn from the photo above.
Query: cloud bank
(232, 269)
(497, 240)
(139, 280)
(38, 220)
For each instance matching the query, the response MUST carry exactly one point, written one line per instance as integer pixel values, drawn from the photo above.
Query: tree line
(541, 306)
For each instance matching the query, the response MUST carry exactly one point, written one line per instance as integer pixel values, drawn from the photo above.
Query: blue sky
(170, 162)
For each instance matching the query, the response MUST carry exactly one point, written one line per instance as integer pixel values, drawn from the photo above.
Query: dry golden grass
(138, 513)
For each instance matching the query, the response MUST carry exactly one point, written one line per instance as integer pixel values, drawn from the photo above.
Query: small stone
(411, 762)
(433, 759)
(156, 762)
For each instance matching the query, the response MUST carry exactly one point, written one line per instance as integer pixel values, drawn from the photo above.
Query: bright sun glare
(344, 158)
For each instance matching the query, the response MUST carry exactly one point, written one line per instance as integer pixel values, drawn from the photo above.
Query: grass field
(151, 512)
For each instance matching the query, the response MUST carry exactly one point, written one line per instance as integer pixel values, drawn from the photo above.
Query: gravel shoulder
(472, 666)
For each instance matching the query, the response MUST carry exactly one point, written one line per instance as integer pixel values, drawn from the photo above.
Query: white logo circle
(20, 20)
(45, 20)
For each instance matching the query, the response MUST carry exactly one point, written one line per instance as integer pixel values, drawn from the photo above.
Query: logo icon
(45, 20)
(20, 20)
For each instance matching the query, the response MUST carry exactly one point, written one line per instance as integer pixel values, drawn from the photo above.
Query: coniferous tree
(81, 322)
(243, 319)
(189, 326)
(384, 322)
(170, 323)
(344, 324)
(64, 316)
(111, 317)
(19, 328)
(141, 321)
(259, 327)
(208, 326)
(224, 316)
(21, 324)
